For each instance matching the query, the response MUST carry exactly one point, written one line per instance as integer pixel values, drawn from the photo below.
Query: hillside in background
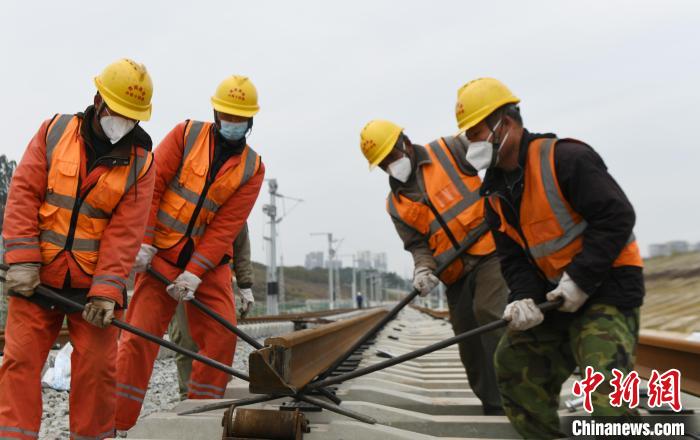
(302, 284)
(672, 301)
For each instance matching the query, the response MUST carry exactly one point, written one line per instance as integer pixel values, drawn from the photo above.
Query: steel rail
(544, 307)
(397, 308)
(437, 314)
(230, 326)
(662, 351)
(289, 362)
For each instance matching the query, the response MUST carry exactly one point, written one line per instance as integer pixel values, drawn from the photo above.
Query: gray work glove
(184, 286)
(23, 278)
(143, 258)
(424, 281)
(247, 300)
(99, 311)
(523, 314)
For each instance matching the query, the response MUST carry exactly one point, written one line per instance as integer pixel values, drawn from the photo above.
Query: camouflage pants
(477, 299)
(531, 366)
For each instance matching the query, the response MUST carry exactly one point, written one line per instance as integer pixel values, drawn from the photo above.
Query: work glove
(424, 281)
(247, 300)
(23, 278)
(143, 258)
(99, 311)
(573, 296)
(522, 314)
(184, 286)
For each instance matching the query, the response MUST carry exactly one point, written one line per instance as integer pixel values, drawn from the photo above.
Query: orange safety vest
(189, 204)
(451, 214)
(553, 231)
(71, 223)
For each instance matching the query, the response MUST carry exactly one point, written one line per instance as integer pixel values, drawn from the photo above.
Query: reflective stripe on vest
(180, 200)
(468, 197)
(63, 156)
(549, 251)
(454, 223)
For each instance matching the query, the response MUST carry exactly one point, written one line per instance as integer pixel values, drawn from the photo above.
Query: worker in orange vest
(563, 229)
(207, 183)
(436, 209)
(76, 213)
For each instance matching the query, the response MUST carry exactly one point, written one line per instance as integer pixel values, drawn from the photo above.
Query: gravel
(163, 393)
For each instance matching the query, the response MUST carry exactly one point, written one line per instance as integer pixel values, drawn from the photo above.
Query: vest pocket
(541, 231)
(63, 179)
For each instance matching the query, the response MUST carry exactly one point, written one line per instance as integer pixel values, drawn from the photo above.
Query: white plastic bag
(58, 376)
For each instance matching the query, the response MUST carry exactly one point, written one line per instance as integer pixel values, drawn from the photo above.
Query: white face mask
(400, 169)
(483, 154)
(116, 127)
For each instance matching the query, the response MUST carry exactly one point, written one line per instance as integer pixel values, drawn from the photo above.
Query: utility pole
(331, 254)
(272, 285)
(281, 281)
(354, 274)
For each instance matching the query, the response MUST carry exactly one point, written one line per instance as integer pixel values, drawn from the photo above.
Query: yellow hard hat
(377, 140)
(126, 88)
(479, 98)
(236, 95)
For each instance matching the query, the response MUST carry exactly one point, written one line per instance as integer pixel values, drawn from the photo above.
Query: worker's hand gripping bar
(58, 298)
(209, 312)
(544, 307)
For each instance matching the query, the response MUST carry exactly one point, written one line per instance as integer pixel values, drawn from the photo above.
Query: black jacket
(595, 195)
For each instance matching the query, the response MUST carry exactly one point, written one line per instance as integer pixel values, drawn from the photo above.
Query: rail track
(424, 398)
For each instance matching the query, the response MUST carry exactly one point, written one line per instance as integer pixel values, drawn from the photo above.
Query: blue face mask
(233, 131)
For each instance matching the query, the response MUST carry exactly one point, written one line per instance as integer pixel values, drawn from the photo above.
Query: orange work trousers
(29, 334)
(151, 309)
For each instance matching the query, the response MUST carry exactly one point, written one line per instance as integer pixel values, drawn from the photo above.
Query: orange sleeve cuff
(108, 286)
(21, 254)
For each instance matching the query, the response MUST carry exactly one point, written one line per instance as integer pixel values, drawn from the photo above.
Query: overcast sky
(622, 76)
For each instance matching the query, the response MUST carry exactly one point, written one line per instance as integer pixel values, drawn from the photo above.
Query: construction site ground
(426, 398)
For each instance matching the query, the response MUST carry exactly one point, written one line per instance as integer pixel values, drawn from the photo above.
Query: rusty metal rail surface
(662, 351)
(60, 340)
(437, 314)
(289, 362)
(294, 316)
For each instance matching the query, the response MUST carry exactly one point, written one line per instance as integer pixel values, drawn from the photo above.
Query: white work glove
(23, 278)
(143, 258)
(573, 296)
(184, 286)
(424, 281)
(523, 314)
(245, 296)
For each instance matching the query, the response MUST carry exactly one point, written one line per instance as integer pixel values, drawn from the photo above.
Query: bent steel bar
(546, 306)
(58, 298)
(397, 308)
(225, 404)
(232, 328)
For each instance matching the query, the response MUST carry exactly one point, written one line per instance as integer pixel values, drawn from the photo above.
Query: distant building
(672, 248)
(659, 250)
(678, 247)
(314, 260)
(380, 262)
(367, 260)
(364, 260)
